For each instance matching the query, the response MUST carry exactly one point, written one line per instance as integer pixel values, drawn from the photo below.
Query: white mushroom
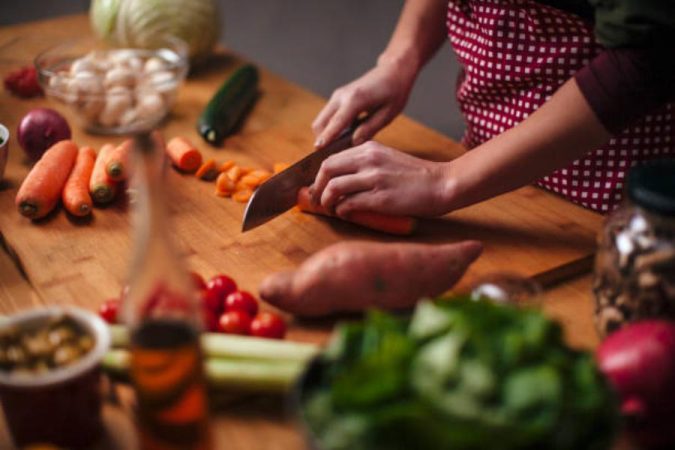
(150, 106)
(82, 65)
(118, 101)
(119, 76)
(154, 64)
(135, 64)
(83, 85)
(163, 81)
(129, 117)
(91, 107)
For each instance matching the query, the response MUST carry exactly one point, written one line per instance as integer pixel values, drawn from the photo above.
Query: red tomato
(108, 310)
(211, 301)
(268, 325)
(235, 322)
(210, 320)
(198, 281)
(217, 289)
(241, 301)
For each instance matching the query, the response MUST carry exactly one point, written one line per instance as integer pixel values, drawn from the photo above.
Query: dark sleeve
(624, 84)
(635, 23)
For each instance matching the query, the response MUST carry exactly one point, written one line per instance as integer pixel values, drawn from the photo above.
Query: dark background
(319, 44)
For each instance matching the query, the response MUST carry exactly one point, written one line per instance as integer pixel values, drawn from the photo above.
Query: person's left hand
(373, 177)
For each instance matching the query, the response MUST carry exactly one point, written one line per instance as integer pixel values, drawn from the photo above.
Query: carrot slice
(184, 156)
(117, 161)
(262, 175)
(248, 182)
(101, 187)
(207, 171)
(234, 173)
(75, 197)
(280, 166)
(242, 196)
(227, 165)
(41, 190)
(399, 225)
(224, 185)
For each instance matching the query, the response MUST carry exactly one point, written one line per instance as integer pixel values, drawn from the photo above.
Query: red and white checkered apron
(515, 54)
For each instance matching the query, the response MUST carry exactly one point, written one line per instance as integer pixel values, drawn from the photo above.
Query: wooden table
(64, 261)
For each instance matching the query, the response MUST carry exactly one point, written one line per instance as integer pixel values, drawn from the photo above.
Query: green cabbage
(142, 23)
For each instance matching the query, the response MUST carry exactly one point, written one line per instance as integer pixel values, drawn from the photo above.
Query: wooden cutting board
(69, 261)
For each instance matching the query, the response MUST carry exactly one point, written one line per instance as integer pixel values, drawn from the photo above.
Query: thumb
(276, 290)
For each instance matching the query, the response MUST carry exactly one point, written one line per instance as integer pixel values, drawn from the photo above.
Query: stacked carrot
(232, 180)
(77, 177)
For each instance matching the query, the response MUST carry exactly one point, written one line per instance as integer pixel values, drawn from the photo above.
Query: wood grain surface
(84, 261)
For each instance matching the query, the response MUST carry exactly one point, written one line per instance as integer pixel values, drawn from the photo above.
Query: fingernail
(319, 142)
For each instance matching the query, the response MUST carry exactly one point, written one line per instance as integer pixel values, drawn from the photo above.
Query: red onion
(639, 361)
(40, 129)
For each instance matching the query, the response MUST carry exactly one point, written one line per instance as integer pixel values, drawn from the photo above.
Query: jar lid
(651, 185)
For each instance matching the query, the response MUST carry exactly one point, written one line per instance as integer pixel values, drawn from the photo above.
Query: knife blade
(280, 193)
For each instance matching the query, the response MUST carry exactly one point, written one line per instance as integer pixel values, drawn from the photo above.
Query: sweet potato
(352, 276)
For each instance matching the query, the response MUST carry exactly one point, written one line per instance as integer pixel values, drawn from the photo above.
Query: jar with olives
(635, 264)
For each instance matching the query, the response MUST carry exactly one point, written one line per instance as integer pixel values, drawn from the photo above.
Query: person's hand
(382, 93)
(373, 177)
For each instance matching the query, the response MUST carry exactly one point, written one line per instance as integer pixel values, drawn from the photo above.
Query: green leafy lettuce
(459, 375)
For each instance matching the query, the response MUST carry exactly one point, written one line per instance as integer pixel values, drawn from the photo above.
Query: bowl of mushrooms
(114, 90)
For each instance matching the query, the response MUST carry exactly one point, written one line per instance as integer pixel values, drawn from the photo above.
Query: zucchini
(229, 105)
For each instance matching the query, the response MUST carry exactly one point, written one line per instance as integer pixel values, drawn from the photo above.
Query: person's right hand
(382, 93)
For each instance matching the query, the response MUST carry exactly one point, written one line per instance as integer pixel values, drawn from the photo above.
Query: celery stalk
(234, 374)
(215, 345)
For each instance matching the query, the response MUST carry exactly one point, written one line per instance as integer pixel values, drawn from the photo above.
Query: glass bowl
(114, 90)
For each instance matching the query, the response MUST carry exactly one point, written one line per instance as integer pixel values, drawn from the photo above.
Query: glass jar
(635, 263)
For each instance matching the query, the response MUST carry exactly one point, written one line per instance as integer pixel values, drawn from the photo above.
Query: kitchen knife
(280, 193)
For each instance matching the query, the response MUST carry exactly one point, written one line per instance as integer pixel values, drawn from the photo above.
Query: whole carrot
(101, 187)
(117, 163)
(399, 225)
(75, 197)
(41, 190)
(183, 154)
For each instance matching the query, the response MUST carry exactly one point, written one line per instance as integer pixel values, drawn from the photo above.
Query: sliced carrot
(184, 156)
(75, 196)
(224, 185)
(248, 181)
(41, 190)
(234, 173)
(399, 225)
(246, 170)
(227, 165)
(101, 187)
(207, 171)
(117, 161)
(280, 166)
(262, 175)
(242, 196)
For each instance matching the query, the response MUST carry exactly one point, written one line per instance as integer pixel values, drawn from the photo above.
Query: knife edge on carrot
(398, 225)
